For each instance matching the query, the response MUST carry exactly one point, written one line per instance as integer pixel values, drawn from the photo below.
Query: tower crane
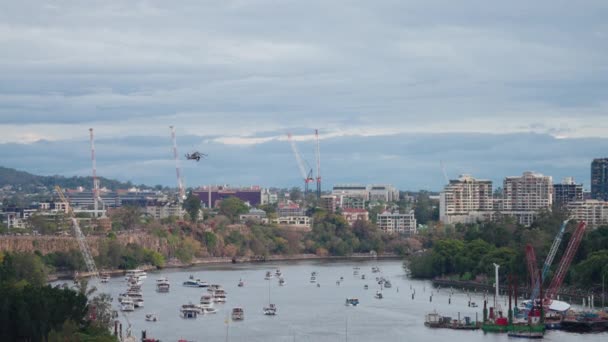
(532, 268)
(180, 182)
(307, 176)
(318, 156)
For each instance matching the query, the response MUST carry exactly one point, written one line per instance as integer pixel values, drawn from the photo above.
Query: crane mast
(564, 264)
(318, 156)
(307, 176)
(532, 268)
(95, 180)
(82, 242)
(180, 182)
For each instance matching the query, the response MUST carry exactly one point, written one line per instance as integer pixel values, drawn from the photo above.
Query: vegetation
(33, 311)
(466, 252)
(192, 205)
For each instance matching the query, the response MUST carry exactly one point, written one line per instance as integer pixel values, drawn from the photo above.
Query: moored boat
(141, 274)
(351, 302)
(151, 317)
(127, 305)
(238, 314)
(163, 285)
(270, 310)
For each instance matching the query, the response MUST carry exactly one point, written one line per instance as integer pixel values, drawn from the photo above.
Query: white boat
(387, 284)
(278, 272)
(141, 274)
(379, 295)
(282, 281)
(130, 295)
(191, 282)
(363, 276)
(375, 269)
(241, 283)
(213, 287)
(219, 296)
(151, 318)
(268, 275)
(189, 311)
(210, 310)
(270, 310)
(163, 285)
(138, 302)
(104, 277)
(238, 314)
(313, 279)
(134, 281)
(127, 305)
(365, 287)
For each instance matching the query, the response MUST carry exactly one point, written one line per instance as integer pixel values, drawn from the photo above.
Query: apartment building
(466, 200)
(599, 179)
(567, 191)
(396, 223)
(594, 212)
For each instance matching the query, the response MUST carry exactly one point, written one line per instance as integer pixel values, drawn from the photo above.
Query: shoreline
(224, 261)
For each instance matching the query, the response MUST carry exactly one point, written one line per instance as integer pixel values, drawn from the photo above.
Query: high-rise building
(528, 192)
(396, 223)
(594, 212)
(599, 179)
(566, 192)
(465, 200)
(328, 203)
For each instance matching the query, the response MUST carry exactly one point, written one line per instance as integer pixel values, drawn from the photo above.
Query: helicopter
(195, 156)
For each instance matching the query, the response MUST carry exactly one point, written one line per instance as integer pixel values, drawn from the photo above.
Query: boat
(213, 287)
(553, 321)
(191, 282)
(268, 275)
(585, 322)
(151, 317)
(134, 281)
(189, 311)
(138, 302)
(526, 334)
(313, 279)
(241, 283)
(387, 284)
(127, 305)
(130, 295)
(238, 314)
(163, 285)
(136, 273)
(363, 277)
(365, 287)
(282, 281)
(278, 272)
(375, 269)
(270, 310)
(379, 295)
(104, 277)
(351, 302)
(219, 296)
(435, 320)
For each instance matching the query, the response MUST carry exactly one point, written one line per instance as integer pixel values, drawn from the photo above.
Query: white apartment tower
(465, 200)
(528, 192)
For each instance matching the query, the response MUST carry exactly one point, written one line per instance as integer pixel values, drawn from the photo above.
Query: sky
(396, 89)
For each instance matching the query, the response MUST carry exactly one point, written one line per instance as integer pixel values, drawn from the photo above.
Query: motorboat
(189, 311)
(375, 269)
(191, 282)
(138, 302)
(278, 272)
(241, 283)
(238, 314)
(379, 295)
(134, 281)
(388, 284)
(141, 274)
(270, 310)
(351, 302)
(365, 287)
(127, 305)
(151, 317)
(130, 295)
(219, 296)
(213, 287)
(207, 301)
(104, 277)
(163, 285)
(210, 310)
(313, 279)
(268, 275)
(363, 277)
(282, 281)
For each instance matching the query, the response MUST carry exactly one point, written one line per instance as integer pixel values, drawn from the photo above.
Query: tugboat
(238, 314)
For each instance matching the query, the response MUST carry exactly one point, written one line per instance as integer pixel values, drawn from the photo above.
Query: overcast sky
(492, 88)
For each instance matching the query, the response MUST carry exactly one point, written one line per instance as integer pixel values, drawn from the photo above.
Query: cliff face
(50, 244)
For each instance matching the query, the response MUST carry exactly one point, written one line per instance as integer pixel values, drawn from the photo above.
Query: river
(307, 312)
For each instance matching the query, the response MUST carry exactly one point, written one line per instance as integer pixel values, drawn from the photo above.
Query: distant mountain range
(25, 181)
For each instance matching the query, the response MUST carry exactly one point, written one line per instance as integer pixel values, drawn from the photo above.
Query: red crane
(307, 176)
(564, 264)
(532, 266)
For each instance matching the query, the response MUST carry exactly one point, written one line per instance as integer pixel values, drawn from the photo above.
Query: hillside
(25, 180)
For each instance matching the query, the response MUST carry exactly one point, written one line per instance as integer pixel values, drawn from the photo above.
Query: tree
(295, 194)
(232, 207)
(125, 218)
(426, 210)
(192, 205)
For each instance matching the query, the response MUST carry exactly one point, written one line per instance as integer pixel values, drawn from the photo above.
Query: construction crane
(532, 268)
(82, 242)
(549, 260)
(307, 176)
(96, 194)
(180, 182)
(318, 156)
(445, 174)
(564, 264)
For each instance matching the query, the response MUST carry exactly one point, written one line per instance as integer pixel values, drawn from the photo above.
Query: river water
(307, 312)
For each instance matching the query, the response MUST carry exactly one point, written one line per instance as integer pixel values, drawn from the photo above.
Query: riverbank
(176, 264)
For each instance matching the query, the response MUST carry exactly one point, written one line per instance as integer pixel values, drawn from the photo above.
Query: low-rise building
(255, 215)
(296, 221)
(328, 203)
(594, 212)
(396, 223)
(353, 215)
(163, 210)
(287, 209)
